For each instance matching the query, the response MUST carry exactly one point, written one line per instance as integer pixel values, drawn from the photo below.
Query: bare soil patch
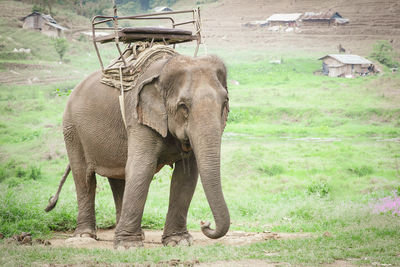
(153, 239)
(370, 20)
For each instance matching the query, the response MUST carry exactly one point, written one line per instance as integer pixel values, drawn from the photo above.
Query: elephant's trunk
(206, 144)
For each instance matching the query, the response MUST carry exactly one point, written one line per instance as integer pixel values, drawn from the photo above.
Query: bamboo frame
(128, 38)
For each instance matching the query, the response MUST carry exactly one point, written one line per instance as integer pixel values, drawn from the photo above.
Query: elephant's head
(188, 99)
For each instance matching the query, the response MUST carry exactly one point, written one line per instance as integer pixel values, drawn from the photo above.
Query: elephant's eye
(224, 105)
(182, 107)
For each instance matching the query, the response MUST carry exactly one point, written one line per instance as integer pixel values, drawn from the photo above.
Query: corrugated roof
(49, 20)
(55, 25)
(348, 59)
(320, 15)
(284, 17)
(34, 13)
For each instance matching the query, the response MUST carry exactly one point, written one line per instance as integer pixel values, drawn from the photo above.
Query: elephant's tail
(53, 200)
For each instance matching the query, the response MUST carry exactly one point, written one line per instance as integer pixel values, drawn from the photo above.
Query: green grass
(373, 244)
(300, 153)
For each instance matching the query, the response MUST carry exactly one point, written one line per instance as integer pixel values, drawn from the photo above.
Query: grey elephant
(176, 116)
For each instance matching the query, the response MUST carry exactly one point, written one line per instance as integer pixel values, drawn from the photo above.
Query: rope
(138, 62)
(121, 97)
(199, 29)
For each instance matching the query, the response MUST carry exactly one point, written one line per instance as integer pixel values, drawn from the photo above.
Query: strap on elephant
(140, 58)
(121, 98)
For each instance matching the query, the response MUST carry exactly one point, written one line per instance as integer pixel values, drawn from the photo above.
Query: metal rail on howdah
(128, 35)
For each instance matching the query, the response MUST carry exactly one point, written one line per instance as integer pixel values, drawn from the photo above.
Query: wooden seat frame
(168, 37)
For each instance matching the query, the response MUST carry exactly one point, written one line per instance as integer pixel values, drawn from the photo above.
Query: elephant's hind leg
(85, 185)
(117, 187)
(183, 184)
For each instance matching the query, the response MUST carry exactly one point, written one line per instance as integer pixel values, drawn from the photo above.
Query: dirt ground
(153, 239)
(233, 238)
(370, 20)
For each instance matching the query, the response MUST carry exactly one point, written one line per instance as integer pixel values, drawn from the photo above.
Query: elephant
(176, 115)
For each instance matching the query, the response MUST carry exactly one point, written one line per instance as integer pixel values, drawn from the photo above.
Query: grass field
(300, 153)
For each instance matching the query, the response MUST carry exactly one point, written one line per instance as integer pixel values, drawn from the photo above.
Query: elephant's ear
(144, 104)
(225, 115)
(150, 108)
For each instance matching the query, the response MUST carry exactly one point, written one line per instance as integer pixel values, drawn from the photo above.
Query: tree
(43, 6)
(61, 46)
(383, 52)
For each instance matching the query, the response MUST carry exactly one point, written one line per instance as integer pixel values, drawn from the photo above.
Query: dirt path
(153, 239)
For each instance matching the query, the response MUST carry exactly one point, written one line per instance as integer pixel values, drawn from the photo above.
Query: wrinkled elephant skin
(175, 116)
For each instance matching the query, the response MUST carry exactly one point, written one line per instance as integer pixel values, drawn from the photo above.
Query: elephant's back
(91, 99)
(92, 94)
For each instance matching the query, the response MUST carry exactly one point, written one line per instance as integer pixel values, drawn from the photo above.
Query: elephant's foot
(130, 242)
(82, 238)
(124, 245)
(178, 239)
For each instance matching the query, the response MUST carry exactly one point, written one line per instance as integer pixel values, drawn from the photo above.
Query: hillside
(369, 21)
(223, 23)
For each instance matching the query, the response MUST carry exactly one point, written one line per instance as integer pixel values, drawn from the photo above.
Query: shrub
(61, 46)
(383, 52)
(35, 173)
(20, 172)
(271, 170)
(320, 189)
(362, 171)
(3, 173)
(13, 182)
(39, 8)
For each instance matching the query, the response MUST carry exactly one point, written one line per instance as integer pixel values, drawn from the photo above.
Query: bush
(35, 173)
(16, 174)
(320, 189)
(39, 8)
(271, 170)
(25, 214)
(3, 174)
(20, 172)
(383, 52)
(362, 171)
(61, 46)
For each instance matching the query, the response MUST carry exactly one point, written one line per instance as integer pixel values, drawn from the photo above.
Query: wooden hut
(322, 19)
(284, 19)
(341, 65)
(43, 23)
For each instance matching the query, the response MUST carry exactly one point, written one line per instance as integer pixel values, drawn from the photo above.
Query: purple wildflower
(388, 205)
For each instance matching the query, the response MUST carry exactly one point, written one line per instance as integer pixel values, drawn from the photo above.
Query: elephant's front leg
(140, 168)
(183, 184)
